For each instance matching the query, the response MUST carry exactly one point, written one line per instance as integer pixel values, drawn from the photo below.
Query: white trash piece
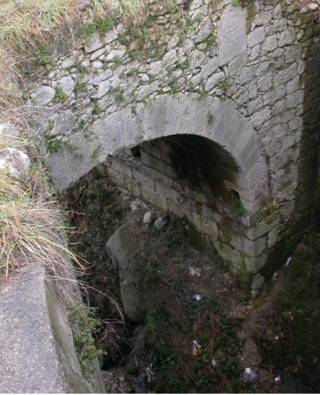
(288, 261)
(196, 349)
(249, 376)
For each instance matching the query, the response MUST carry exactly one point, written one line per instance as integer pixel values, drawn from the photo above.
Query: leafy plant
(54, 145)
(83, 324)
(102, 25)
(60, 95)
(81, 87)
(42, 54)
(238, 207)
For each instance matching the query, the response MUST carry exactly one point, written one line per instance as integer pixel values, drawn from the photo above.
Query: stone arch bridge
(208, 109)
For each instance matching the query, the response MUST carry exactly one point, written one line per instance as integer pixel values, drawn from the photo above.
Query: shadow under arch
(194, 161)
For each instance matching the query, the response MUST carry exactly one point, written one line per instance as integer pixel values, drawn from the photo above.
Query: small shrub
(60, 95)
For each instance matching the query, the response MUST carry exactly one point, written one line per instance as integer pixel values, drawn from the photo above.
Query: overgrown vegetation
(83, 324)
(30, 30)
(31, 228)
(298, 312)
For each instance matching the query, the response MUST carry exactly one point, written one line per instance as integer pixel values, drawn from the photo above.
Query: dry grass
(30, 227)
(31, 231)
(25, 25)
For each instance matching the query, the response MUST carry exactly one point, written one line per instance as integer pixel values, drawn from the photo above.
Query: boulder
(16, 162)
(123, 247)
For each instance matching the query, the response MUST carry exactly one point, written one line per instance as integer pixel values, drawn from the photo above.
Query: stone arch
(169, 115)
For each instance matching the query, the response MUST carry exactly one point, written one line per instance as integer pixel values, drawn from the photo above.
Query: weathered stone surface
(73, 60)
(160, 223)
(122, 248)
(148, 217)
(94, 42)
(224, 73)
(256, 37)
(232, 38)
(205, 29)
(103, 88)
(16, 163)
(43, 96)
(67, 84)
(63, 123)
(37, 339)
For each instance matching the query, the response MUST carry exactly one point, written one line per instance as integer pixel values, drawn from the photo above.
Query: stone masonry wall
(234, 73)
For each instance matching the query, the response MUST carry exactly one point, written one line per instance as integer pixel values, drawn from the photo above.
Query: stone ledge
(37, 352)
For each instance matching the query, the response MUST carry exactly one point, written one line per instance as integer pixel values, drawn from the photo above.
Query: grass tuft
(31, 230)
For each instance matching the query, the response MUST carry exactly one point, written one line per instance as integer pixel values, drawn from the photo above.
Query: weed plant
(30, 230)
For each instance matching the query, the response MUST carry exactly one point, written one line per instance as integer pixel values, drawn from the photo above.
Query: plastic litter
(214, 362)
(196, 349)
(198, 297)
(277, 379)
(288, 261)
(149, 373)
(249, 376)
(194, 271)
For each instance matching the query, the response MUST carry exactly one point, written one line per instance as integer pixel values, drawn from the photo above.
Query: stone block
(286, 75)
(253, 248)
(209, 68)
(229, 254)
(43, 96)
(287, 37)
(94, 42)
(253, 265)
(37, 353)
(177, 209)
(238, 63)
(257, 36)
(16, 163)
(122, 168)
(143, 177)
(64, 123)
(154, 197)
(214, 80)
(294, 99)
(204, 31)
(260, 229)
(132, 186)
(146, 90)
(263, 18)
(67, 84)
(205, 225)
(257, 281)
(73, 60)
(158, 164)
(273, 237)
(260, 117)
(114, 176)
(265, 83)
(232, 39)
(280, 24)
